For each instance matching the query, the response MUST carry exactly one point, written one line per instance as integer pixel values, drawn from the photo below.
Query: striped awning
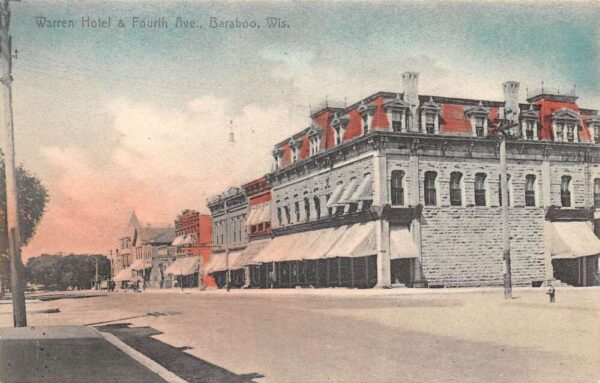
(218, 262)
(364, 191)
(402, 244)
(184, 266)
(570, 239)
(335, 196)
(349, 190)
(124, 275)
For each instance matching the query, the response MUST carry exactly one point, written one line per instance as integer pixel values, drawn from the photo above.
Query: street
(341, 335)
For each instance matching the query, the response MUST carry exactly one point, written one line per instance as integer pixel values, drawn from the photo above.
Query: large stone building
(405, 188)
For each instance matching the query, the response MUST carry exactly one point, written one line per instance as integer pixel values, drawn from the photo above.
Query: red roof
(547, 108)
(454, 120)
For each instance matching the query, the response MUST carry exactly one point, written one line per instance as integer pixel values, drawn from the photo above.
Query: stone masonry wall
(462, 246)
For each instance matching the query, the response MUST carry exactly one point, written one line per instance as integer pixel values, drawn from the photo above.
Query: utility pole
(96, 272)
(14, 234)
(507, 275)
(226, 237)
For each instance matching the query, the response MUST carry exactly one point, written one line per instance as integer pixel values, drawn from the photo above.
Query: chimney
(410, 89)
(511, 100)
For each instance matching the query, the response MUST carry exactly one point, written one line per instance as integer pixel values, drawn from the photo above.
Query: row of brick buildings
(398, 188)
(164, 257)
(405, 188)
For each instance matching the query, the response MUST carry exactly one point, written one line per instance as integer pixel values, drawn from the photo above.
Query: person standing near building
(551, 293)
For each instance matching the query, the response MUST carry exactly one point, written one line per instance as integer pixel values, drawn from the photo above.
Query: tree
(32, 203)
(57, 272)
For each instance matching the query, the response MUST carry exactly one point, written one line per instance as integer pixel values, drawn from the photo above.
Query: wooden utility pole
(507, 275)
(226, 237)
(14, 234)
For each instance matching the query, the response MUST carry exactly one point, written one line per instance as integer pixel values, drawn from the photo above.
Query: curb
(151, 365)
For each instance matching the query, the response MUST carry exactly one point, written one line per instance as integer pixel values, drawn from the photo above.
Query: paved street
(349, 336)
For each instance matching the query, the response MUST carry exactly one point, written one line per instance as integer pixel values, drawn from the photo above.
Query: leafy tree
(32, 202)
(60, 272)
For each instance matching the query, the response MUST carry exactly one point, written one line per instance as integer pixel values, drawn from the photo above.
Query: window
(396, 187)
(396, 121)
(288, 217)
(565, 191)
(455, 189)
(529, 130)
(530, 190)
(307, 209)
(279, 216)
(365, 123)
(339, 134)
(297, 210)
(315, 144)
(560, 132)
(430, 123)
(570, 133)
(480, 189)
(430, 192)
(508, 187)
(317, 206)
(597, 192)
(479, 126)
(329, 209)
(596, 134)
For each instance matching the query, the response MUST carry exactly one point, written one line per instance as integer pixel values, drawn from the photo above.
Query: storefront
(184, 271)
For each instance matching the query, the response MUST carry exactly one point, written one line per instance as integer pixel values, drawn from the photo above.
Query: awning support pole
(351, 272)
(339, 264)
(366, 271)
(318, 282)
(327, 264)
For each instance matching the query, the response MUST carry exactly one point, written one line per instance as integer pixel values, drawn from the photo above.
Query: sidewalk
(65, 354)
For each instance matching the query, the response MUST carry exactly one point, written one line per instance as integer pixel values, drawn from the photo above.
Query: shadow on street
(174, 359)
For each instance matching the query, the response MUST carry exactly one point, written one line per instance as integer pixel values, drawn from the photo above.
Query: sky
(120, 119)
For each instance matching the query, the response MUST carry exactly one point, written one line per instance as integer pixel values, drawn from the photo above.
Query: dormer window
(367, 111)
(529, 123)
(480, 127)
(397, 111)
(478, 115)
(295, 146)
(430, 117)
(565, 125)
(339, 128)
(278, 156)
(430, 123)
(594, 128)
(396, 118)
(314, 137)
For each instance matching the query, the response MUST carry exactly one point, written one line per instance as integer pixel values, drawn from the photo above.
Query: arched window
(455, 189)
(565, 191)
(307, 209)
(279, 216)
(530, 190)
(397, 188)
(508, 188)
(480, 192)
(597, 192)
(430, 190)
(317, 202)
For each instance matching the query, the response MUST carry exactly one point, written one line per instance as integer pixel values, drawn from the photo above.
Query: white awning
(124, 275)
(190, 239)
(141, 264)
(178, 241)
(364, 191)
(248, 255)
(401, 243)
(570, 239)
(276, 251)
(218, 262)
(357, 241)
(335, 196)
(265, 213)
(184, 266)
(255, 212)
(349, 191)
(322, 241)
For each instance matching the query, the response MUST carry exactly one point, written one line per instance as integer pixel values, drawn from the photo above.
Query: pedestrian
(551, 292)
